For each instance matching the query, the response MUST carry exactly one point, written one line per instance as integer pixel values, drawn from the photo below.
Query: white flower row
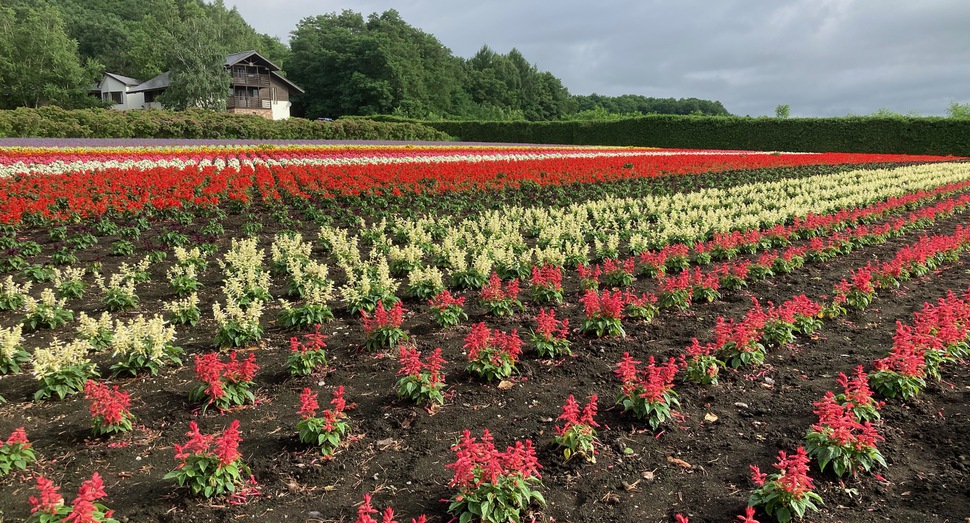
(236, 162)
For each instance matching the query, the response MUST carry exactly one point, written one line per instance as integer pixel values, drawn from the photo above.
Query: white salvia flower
(89, 327)
(47, 299)
(185, 304)
(242, 255)
(55, 358)
(148, 338)
(431, 275)
(549, 256)
(235, 313)
(483, 265)
(67, 274)
(10, 288)
(10, 340)
(288, 247)
(193, 256)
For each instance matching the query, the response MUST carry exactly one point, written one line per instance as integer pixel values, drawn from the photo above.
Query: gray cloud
(823, 57)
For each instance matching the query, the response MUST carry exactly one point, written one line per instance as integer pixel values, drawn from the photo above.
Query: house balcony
(250, 79)
(249, 102)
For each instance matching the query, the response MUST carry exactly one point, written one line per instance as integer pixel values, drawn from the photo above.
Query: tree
(381, 65)
(39, 64)
(958, 110)
(783, 111)
(197, 76)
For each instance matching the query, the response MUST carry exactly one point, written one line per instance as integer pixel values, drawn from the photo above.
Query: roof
(283, 79)
(235, 58)
(127, 80)
(159, 82)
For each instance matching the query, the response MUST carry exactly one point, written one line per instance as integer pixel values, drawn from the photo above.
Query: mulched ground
(695, 467)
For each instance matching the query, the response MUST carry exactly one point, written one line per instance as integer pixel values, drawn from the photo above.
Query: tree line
(53, 51)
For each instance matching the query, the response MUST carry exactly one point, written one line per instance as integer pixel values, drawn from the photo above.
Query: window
(116, 97)
(273, 90)
(149, 97)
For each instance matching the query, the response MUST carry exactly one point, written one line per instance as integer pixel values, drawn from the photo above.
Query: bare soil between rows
(399, 451)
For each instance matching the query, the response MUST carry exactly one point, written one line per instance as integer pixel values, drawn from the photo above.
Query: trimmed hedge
(55, 122)
(942, 136)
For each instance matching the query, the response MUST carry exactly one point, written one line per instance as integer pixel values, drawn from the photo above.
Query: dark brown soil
(399, 451)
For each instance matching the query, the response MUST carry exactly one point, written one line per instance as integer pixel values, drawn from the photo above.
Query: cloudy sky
(822, 57)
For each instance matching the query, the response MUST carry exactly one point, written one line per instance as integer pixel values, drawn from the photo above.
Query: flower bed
(460, 336)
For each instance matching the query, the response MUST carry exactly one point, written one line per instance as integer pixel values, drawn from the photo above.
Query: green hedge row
(943, 136)
(54, 122)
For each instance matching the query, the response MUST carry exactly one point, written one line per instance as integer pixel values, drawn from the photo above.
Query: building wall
(128, 101)
(258, 112)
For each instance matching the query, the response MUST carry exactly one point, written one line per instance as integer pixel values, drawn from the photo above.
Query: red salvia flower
(308, 404)
(111, 404)
(49, 499)
(227, 444)
(18, 437)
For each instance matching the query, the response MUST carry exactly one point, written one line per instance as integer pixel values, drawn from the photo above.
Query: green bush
(55, 122)
(902, 135)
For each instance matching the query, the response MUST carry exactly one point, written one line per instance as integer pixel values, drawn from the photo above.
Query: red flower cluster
(18, 437)
(618, 273)
(49, 500)
(574, 418)
(226, 445)
(606, 304)
(497, 343)
(383, 318)
(83, 509)
(330, 417)
(651, 383)
(308, 404)
(549, 327)
(365, 510)
(856, 390)
(478, 462)
(411, 364)
(109, 405)
(313, 341)
(548, 277)
(589, 277)
(793, 474)
(217, 374)
(839, 424)
(444, 299)
(493, 291)
(904, 358)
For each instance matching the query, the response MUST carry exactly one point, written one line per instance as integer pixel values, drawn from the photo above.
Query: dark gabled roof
(159, 82)
(235, 58)
(127, 80)
(283, 79)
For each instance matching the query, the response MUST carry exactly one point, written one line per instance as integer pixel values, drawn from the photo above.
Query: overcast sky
(822, 57)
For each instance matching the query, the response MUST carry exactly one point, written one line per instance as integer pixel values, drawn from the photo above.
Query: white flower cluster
(193, 256)
(88, 327)
(289, 247)
(55, 358)
(10, 340)
(68, 274)
(48, 302)
(12, 291)
(233, 314)
(184, 305)
(140, 336)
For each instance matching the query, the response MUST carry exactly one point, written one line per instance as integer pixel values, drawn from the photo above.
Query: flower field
(309, 332)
